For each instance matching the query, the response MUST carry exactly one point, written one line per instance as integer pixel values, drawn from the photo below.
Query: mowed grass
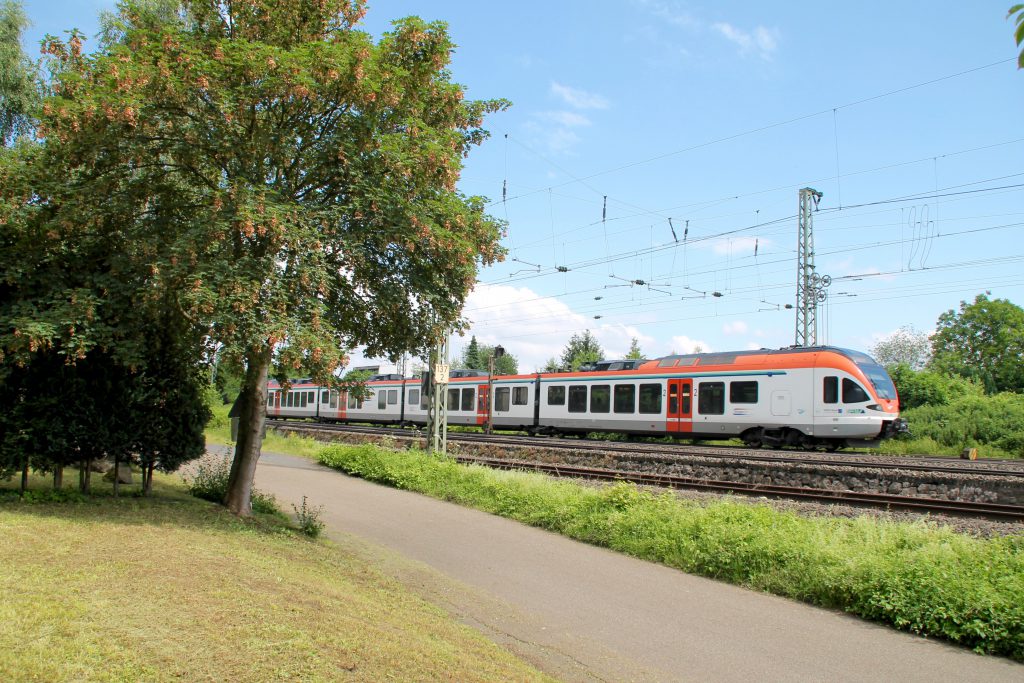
(918, 577)
(174, 588)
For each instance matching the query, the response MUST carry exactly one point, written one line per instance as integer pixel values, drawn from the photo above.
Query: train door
(482, 396)
(680, 405)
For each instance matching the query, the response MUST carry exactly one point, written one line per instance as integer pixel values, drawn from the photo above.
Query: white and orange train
(801, 396)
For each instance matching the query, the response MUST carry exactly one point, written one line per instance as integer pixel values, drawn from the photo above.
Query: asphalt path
(582, 613)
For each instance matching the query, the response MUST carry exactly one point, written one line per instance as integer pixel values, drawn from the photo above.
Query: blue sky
(714, 115)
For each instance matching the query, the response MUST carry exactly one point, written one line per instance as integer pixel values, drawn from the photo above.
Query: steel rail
(846, 497)
(722, 453)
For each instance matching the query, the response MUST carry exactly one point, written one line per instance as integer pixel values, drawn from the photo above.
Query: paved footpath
(582, 613)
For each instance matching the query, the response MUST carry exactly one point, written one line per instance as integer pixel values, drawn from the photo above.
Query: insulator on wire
(672, 228)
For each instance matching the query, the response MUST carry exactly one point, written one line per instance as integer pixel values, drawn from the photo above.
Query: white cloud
(577, 98)
(736, 327)
(555, 129)
(671, 13)
(762, 41)
(683, 344)
(569, 119)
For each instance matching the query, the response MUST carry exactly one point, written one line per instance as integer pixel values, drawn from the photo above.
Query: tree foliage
(634, 352)
(905, 346)
(983, 341)
(581, 349)
(477, 356)
(289, 181)
(927, 387)
(471, 357)
(19, 85)
(1018, 33)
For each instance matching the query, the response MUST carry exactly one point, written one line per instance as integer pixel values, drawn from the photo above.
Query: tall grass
(918, 577)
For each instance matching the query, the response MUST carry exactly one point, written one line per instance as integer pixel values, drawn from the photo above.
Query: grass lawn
(175, 588)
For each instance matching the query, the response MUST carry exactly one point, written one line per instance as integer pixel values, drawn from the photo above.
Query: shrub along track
(833, 492)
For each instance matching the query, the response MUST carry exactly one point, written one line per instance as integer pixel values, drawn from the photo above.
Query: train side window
(351, 401)
(686, 399)
(312, 396)
(382, 399)
(270, 399)
(392, 397)
(501, 395)
(424, 400)
(453, 399)
(625, 398)
(334, 399)
(325, 396)
(650, 399)
(742, 392)
(305, 398)
(853, 393)
(519, 395)
(600, 398)
(578, 399)
(711, 398)
(467, 399)
(831, 390)
(414, 396)
(556, 396)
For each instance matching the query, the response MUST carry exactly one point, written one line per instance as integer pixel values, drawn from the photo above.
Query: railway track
(919, 504)
(924, 505)
(1003, 468)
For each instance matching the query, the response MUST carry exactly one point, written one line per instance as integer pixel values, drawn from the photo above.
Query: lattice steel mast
(810, 287)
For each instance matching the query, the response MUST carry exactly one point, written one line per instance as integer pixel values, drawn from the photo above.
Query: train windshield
(876, 374)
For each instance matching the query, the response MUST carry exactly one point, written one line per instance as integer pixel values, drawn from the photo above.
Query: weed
(309, 518)
(210, 482)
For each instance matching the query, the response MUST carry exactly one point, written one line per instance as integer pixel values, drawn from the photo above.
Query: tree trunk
(24, 476)
(85, 476)
(58, 476)
(253, 415)
(117, 473)
(147, 475)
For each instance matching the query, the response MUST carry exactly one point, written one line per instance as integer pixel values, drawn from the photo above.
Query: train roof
(731, 357)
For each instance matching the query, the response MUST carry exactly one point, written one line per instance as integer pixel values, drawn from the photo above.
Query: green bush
(926, 387)
(995, 421)
(917, 577)
(210, 482)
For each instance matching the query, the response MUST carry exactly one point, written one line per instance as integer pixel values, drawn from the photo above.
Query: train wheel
(753, 438)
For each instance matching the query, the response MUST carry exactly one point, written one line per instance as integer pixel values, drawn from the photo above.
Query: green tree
(582, 348)
(471, 357)
(1019, 31)
(904, 346)
(19, 84)
(507, 364)
(290, 180)
(552, 365)
(634, 352)
(983, 341)
(929, 388)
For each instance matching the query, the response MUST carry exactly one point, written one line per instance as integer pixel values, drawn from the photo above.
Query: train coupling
(894, 428)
